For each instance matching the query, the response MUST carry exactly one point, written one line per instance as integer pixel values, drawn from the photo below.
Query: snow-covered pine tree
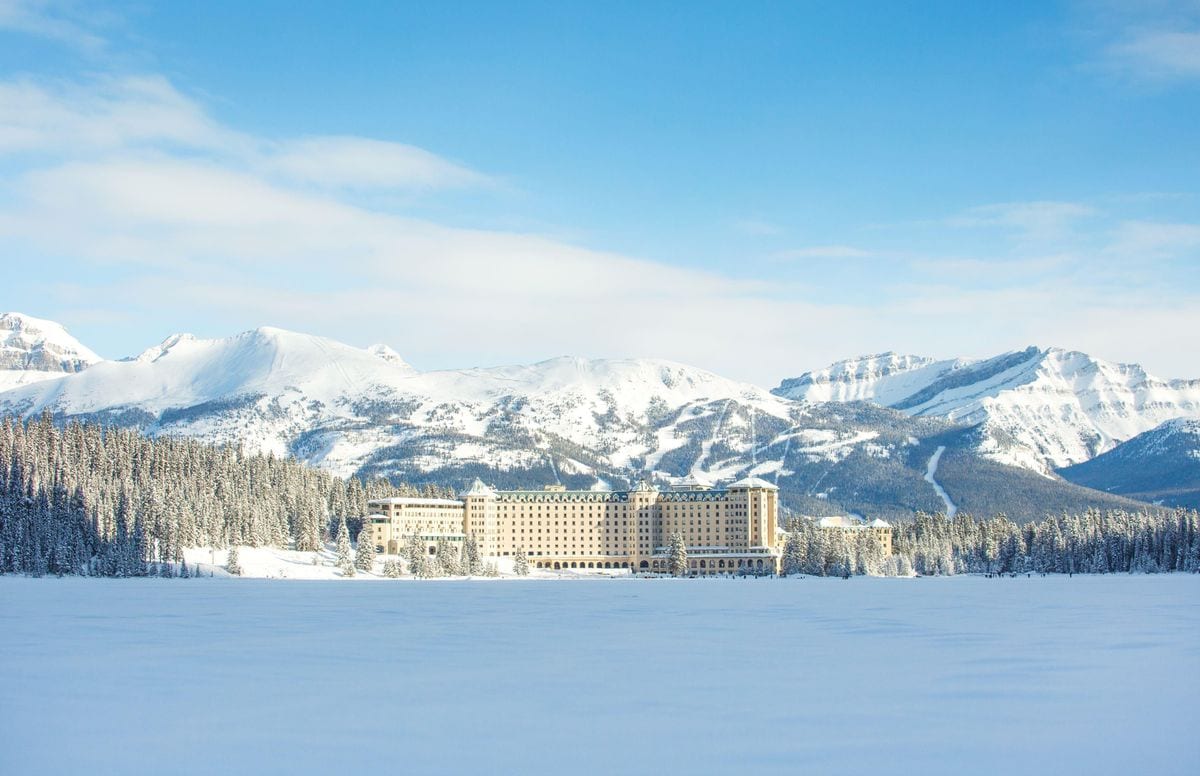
(471, 550)
(414, 554)
(447, 558)
(232, 563)
(793, 554)
(344, 562)
(521, 563)
(391, 568)
(677, 558)
(364, 553)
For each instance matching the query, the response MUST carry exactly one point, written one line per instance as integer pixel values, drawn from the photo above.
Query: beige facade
(726, 530)
(394, 520)
(851, 524)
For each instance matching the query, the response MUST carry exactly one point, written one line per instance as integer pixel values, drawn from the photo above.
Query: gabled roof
(842, 521)
(692, 482)
(478, 489)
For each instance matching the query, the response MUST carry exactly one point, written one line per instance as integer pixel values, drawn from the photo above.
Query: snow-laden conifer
(344, 562)
(677, 557)
(232, 565)
(793, 553)
(414, 555)
(447, 558)
(364, 553)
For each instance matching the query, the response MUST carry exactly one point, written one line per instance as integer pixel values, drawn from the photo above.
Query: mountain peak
(381, 351)
(154, 353)
(36, 344)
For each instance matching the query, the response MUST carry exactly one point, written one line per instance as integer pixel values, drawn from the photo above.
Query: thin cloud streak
(823, 252)
(1159, 54)
(51, 20)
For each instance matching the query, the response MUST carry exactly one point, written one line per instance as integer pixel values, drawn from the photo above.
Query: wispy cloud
(63, 22)
(1159, 54)
(1156, 41)
(1036, 219)
(1140, 240)
(823, 252)
(107, 114)
(147, 113)
(758, 227)
(357, 162)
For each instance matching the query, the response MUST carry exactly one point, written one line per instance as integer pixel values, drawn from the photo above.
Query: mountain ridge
(589, 423)
(1040, 408)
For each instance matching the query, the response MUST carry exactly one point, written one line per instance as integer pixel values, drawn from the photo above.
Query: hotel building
(851, 524)
(727, 530)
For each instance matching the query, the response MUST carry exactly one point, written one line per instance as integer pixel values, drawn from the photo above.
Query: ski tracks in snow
(930, 471)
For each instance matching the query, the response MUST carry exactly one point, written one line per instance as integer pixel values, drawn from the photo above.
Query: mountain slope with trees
(1161, 466)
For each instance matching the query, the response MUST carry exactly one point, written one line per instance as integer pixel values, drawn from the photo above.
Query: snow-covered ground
(933, 676)
(276, 563)
(931, 474)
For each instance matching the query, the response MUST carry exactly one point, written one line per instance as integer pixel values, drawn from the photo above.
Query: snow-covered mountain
(1161, 465)
(585, 423)
(589, 423)
(339, 406)
(32, 349)
(1037, 408)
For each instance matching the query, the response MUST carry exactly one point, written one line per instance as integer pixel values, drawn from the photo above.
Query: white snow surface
(884, 378)
(389, 355)
(1042, 408)
(14, 378)
(930, 475)
(277, 563)
(965, 675)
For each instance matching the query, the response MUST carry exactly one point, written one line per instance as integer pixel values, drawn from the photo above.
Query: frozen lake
(961, 675)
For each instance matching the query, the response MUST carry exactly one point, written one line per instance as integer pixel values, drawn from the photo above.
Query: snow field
(962, 675)
(276, 563)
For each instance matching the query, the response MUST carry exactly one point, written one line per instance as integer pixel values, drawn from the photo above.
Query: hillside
(1161, 466)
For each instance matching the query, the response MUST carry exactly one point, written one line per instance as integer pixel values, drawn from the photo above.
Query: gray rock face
(32, 344)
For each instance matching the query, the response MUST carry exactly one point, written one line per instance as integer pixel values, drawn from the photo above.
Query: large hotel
(727, 530)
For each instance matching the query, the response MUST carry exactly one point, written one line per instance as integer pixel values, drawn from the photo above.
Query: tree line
(1094, 542)
(84, 498)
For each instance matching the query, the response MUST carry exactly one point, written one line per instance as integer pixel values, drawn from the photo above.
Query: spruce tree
(414, 554)
(446, 559)
(677, 557)
(471, 550)
(344, 562)
(364, 554)
(521, 563)
(232, 564)
(793, 554)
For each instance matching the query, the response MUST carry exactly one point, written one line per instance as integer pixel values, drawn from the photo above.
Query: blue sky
(755, 188)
